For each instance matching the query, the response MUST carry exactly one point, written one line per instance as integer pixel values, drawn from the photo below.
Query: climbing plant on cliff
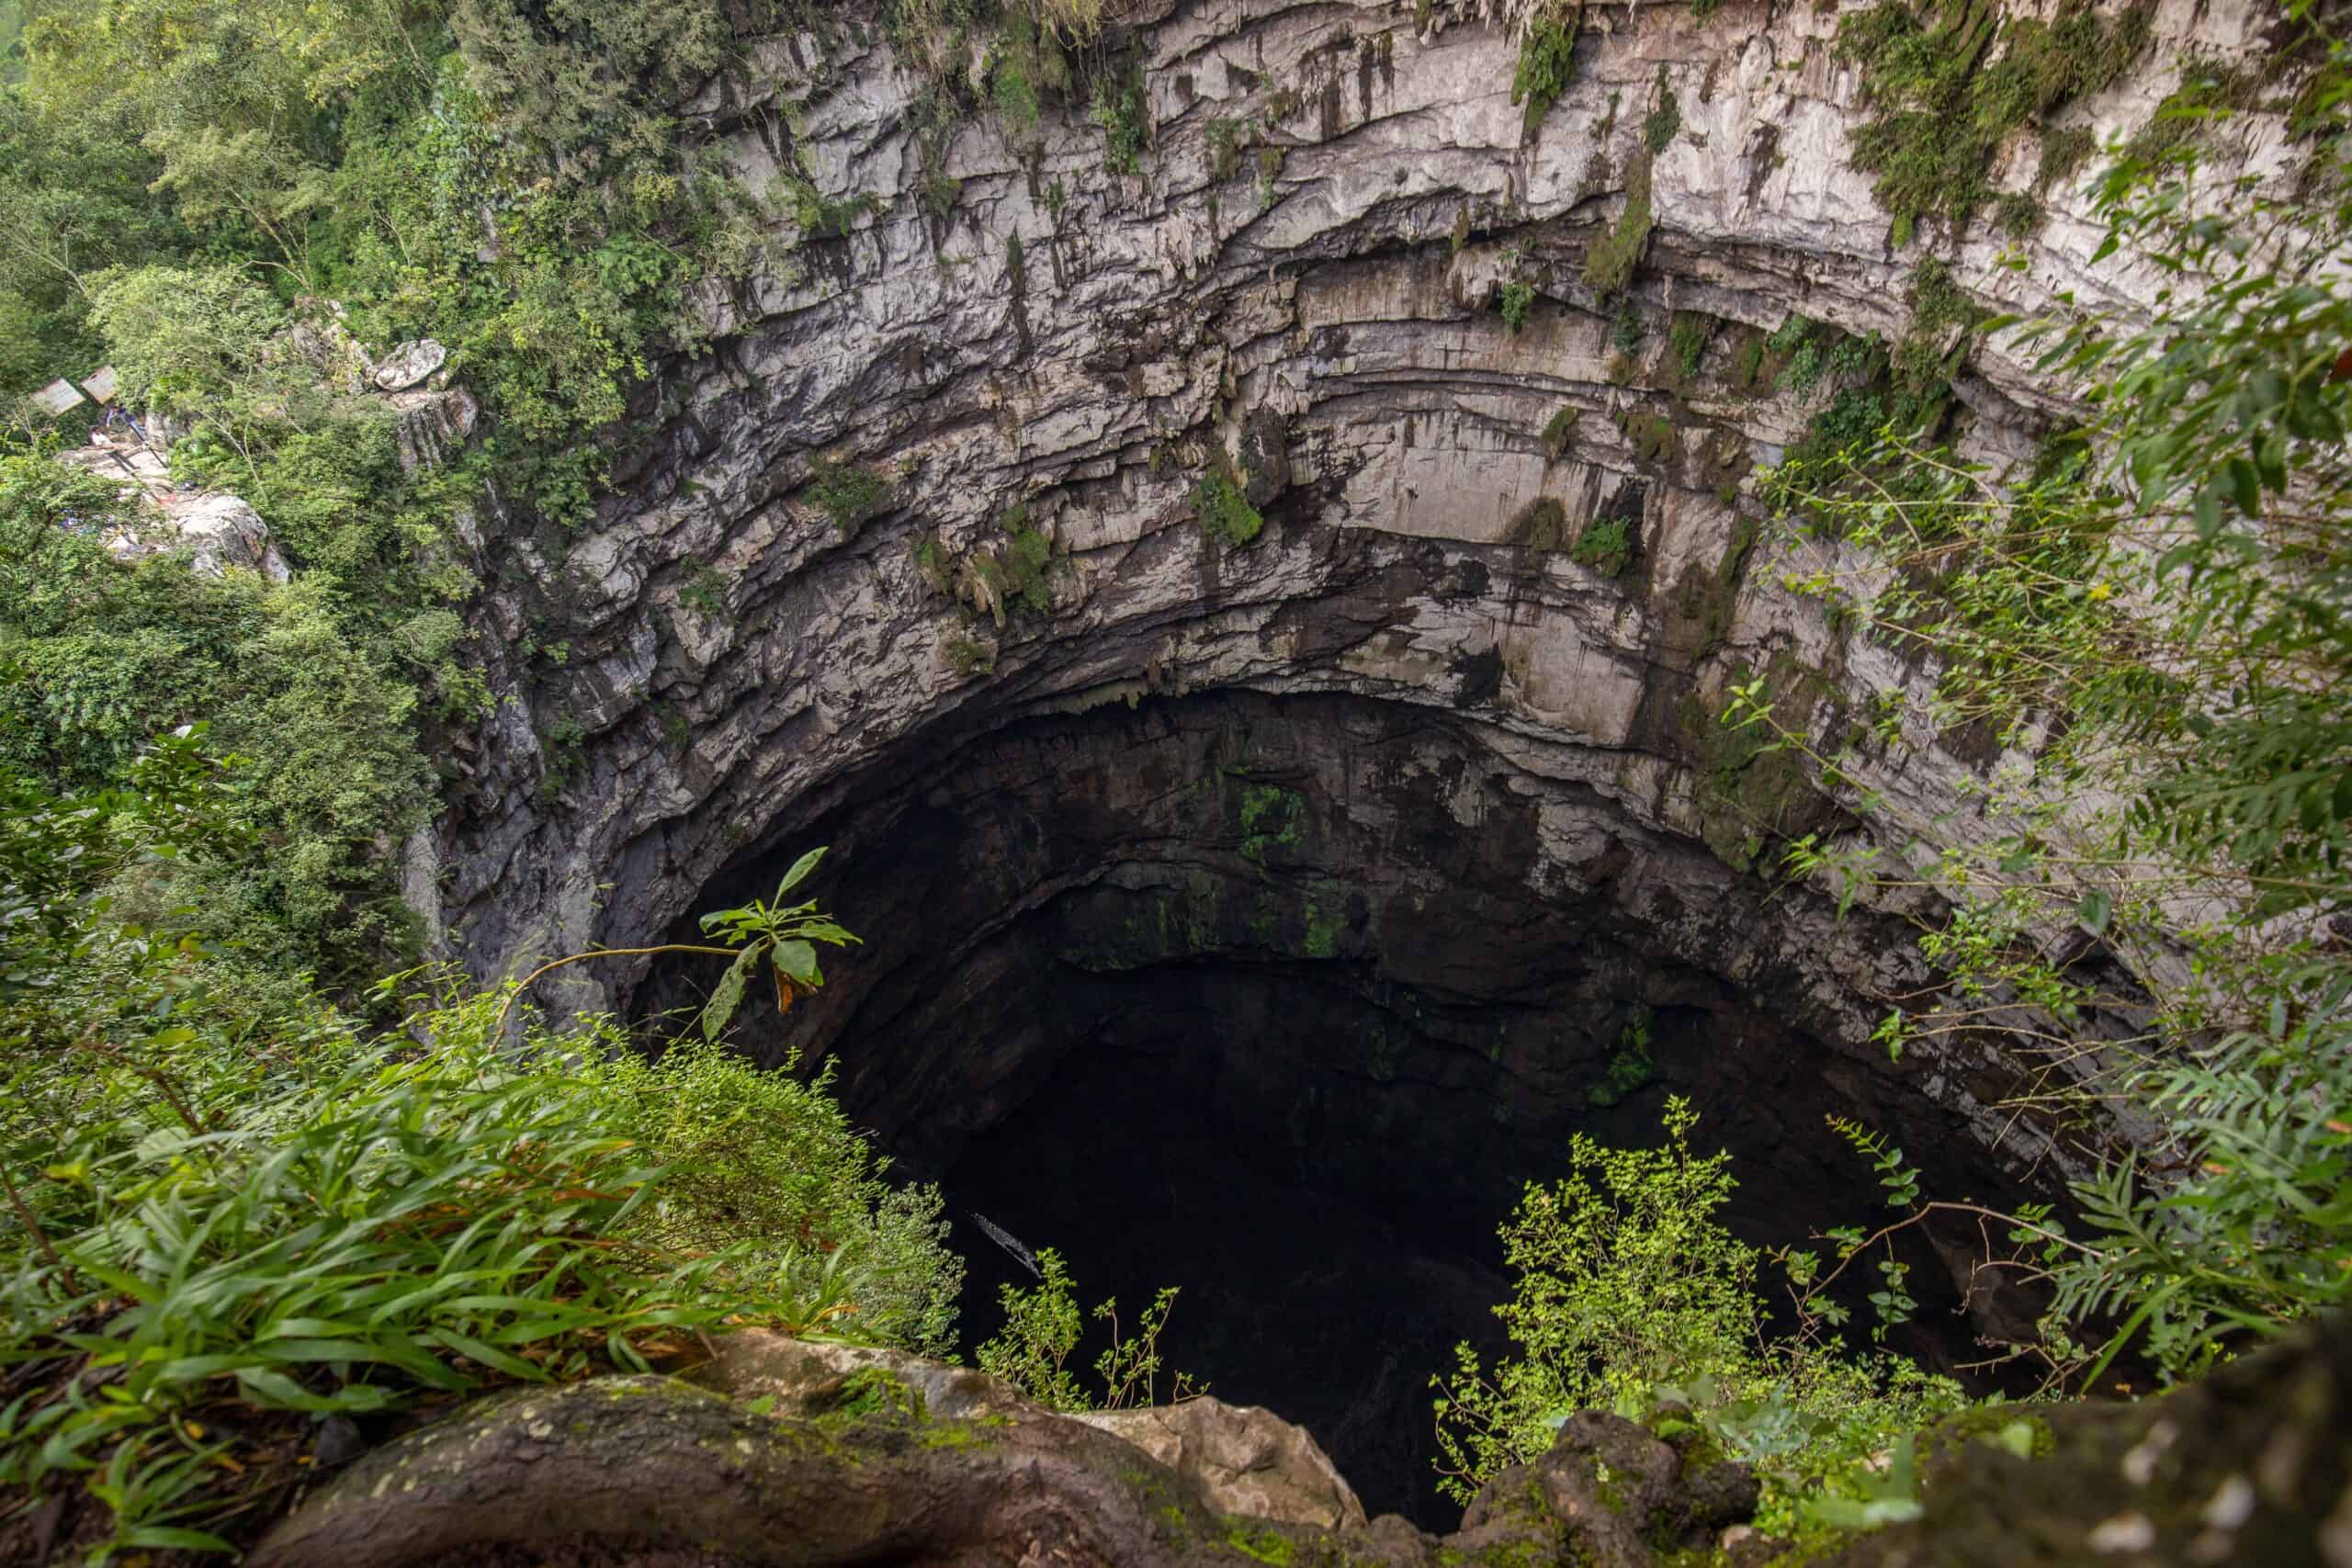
(2153, 624)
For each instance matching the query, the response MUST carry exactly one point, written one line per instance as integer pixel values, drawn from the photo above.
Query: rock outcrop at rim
(795, 1456)
(1007, 324)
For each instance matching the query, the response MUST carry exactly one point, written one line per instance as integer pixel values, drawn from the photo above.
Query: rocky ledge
(782, 1453)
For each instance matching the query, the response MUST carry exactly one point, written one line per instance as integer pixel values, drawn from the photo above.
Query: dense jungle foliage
(244, 1203)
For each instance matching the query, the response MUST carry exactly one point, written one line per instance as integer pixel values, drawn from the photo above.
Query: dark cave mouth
(1283, 1002)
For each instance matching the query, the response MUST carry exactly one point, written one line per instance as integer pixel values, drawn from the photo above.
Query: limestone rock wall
(714, 664)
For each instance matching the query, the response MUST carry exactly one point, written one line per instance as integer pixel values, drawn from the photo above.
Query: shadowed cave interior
(1283, 1000)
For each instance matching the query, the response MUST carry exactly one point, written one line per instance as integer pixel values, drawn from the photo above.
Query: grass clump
(1543, 525)
(2063, 155)
(1558, 431)
(1225, 149)
(1688, 337)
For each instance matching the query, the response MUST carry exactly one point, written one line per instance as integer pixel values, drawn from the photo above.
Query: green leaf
(800, 869)
(2094, 911)
(727, 995)
(797, 961)
(166, 1538)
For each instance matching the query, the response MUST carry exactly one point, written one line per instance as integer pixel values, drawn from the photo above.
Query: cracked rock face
(909, 561)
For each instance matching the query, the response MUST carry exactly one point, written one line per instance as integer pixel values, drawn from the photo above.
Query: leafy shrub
(102, 654)
(1126, 119)
(1630, 1068)
(183, 339)
(1630, 1291)
(1607, 545)
(1660, 124)
(1225, 513)
(1041, 1327)
(1514, 300)
(2146, 607)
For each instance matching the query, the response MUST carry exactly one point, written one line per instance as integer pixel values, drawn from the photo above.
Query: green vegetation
(1119, 108)
(1688, 337)
(1041, 1327)
(1630, 1068)
(1270, 169)
(244, 1212)
(322, 695)
(1225, 149)
(704, 591)
(1660, 124)
(181, 183)
(1607, 545)
(1631, 1294)
(1609, 261)
(1942, 321)
(1271, 818)
(1514, 300)
(1949, 80)
(1017, 575)
(1547, 65)
(1225, 513)
(1558, 431)
(2155, 606)
(352, 153)
(849, 494)
(1542, 525)
(971, 657)
(821, 217)
(1626, 328)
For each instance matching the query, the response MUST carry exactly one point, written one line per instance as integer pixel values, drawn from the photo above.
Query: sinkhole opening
(1283, 1000)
